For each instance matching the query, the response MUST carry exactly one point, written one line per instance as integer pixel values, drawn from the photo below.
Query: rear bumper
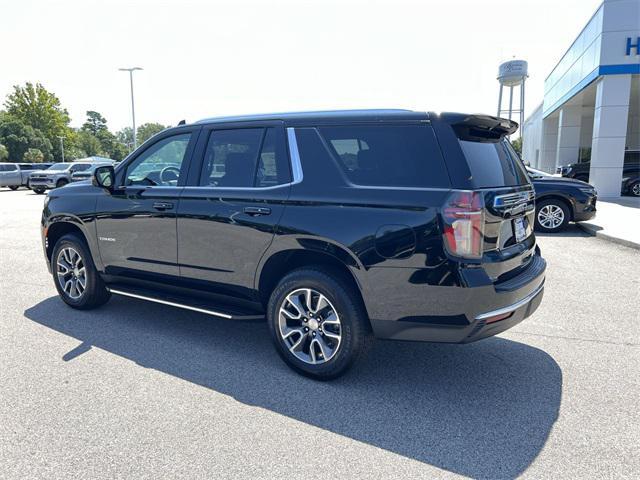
(484, 310)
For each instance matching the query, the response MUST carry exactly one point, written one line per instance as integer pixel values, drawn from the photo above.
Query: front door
(136, 223)
(228, 213)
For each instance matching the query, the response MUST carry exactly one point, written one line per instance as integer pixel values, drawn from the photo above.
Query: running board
(194, 305)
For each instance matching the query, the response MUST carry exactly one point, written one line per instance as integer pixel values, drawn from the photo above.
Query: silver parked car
(56, 176)
(10, 175)
(88, 173)
(16, 175)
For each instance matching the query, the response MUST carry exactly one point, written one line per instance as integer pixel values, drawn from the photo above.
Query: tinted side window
(492, 164)
(388, 155)
(7, 168)
(243, 158)
(273, 163)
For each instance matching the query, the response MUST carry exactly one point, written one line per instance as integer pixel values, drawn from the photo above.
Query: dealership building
(591, 106)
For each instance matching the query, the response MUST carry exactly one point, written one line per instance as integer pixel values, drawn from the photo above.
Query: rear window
(493, 164)
(7, 168)
(388, 155)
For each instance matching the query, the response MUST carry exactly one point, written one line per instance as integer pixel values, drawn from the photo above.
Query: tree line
(34, 126)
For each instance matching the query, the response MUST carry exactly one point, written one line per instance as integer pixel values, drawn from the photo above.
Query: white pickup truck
(16, 175)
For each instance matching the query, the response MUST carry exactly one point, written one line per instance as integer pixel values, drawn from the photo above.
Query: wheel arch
(56, 229)
(284, 261)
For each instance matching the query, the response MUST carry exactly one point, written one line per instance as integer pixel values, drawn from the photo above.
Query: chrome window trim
(294, 154)
(296, 169)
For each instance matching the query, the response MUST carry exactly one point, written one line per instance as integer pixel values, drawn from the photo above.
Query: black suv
(336, 226)
(630, 172)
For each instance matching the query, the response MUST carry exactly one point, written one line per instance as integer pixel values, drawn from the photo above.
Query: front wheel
(634, 189)
(75, 276)
(39, 191)
(318, 323)
(551, 216)
(61, 183)
(13, 187)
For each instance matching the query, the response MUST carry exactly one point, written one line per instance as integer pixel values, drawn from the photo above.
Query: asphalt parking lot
(139, 390)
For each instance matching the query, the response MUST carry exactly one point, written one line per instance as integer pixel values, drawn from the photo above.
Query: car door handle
(163, 205)
(256, 211)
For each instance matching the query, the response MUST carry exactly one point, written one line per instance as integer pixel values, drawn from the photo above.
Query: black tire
(355, 330)
(14, 187)
(39, 191)
(634, 189)
(61, 183)
(551, 205)
(95, 292)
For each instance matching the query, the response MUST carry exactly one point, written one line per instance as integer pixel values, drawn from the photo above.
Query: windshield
(59, 166)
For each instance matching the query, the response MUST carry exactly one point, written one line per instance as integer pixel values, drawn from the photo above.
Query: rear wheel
(634, 189)
(551, 216)
(39, 191)
(13, 187)
(318, 323)
(75, 276)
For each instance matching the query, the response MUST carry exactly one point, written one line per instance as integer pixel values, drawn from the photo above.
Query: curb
(592, 230)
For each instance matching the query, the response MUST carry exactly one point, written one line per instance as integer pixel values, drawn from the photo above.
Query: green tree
(89, 144)
(95, 123)
(148, 130)
(73, 153)
(125, 136)
(40, 109)
(33, 155)
(4, 153)
(18, 138)
(517, 145)
(118, 151)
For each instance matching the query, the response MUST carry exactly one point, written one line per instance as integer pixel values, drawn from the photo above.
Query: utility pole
(61, 146)
(133, 108)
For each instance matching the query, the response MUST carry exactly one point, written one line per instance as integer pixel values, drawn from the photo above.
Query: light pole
(61, 146)
(133, 110)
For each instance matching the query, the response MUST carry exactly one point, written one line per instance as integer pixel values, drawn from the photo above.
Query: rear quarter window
(493, 164)
(388, 155)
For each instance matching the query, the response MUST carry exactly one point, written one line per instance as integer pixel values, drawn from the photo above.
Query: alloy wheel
(309, 326)
(636, 189)
(551, 216)
(71, 271)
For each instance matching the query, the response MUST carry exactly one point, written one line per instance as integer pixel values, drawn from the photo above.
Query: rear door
(482, 160)
(230, 208)
(136, 223)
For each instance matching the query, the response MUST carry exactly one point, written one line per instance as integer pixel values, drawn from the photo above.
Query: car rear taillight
(463, 217)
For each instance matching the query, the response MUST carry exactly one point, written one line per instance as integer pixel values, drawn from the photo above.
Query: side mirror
(104, 177)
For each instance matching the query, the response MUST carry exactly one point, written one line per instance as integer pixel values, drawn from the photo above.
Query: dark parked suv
(336, 226)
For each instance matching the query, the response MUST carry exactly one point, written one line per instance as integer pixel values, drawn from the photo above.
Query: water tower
(512, 74)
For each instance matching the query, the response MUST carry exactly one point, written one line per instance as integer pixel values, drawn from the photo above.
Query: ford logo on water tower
(512, 72)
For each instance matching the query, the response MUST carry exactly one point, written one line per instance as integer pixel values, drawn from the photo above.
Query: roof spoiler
(482, 127)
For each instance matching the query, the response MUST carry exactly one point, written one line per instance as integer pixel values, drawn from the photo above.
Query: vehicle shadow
(571, 230)
(482, 410)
